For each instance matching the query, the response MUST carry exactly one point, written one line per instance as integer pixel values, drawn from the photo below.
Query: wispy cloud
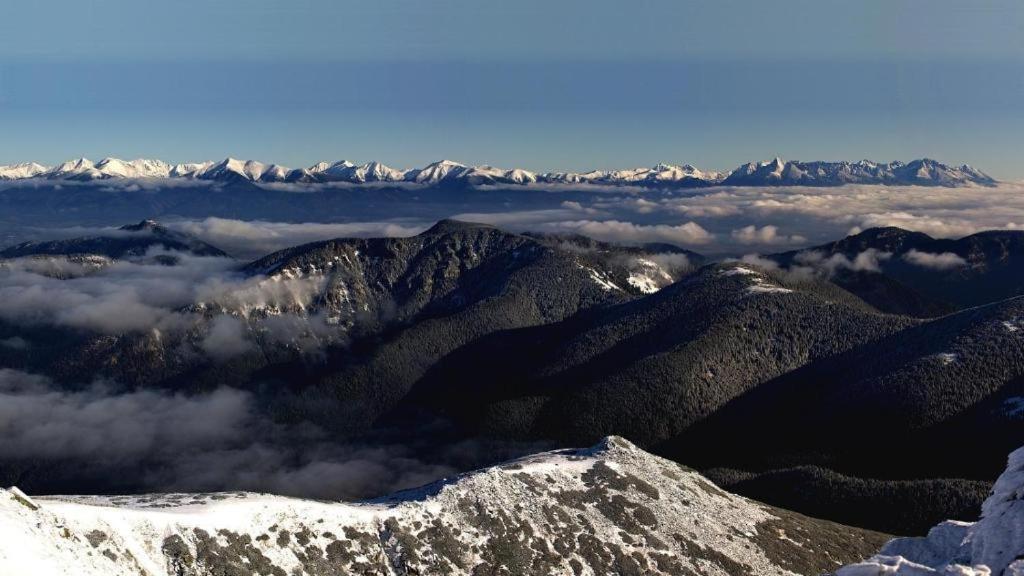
(687, 234)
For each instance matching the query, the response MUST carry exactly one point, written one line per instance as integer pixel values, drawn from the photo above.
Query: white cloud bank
(943, 261)
(735, 220)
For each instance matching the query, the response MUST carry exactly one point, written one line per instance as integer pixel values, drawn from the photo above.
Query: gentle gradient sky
(568, 84)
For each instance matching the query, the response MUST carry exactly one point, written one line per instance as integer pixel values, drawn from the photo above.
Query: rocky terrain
(608, 509)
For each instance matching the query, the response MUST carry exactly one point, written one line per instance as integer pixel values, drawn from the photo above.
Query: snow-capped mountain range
(771, 173)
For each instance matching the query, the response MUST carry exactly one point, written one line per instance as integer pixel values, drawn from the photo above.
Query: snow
(484, 175)
(436, 172)
(643, 283)
(275, 173)
(190, 170)
(84, 168)
(648, 277)
(599, 279)
(759, 284)
(248, 169)
(767, 289)
(376, 172)
(992, 545)
(337, 169)
(140, 168)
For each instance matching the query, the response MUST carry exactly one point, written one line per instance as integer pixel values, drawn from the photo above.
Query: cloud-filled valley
(301, 365)
(248, 222)
(218, 440)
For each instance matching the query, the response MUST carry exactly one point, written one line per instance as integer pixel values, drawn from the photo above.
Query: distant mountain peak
(147, 224)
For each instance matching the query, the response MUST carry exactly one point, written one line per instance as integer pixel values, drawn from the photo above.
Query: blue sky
(543, 85)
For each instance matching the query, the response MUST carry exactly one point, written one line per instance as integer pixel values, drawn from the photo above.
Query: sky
(568, 85)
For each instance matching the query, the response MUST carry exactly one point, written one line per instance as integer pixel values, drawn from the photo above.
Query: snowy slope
(141, 168)
(436, 172)
(609, 509)
(992, 545)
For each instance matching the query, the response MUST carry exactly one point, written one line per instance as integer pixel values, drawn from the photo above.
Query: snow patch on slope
(648, 277)
(759, 283)
(600, 279)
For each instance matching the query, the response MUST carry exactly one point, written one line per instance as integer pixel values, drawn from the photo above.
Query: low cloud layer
(202, 304)
(161, 441)
(99, 423)
(812, 263)
(867, 261)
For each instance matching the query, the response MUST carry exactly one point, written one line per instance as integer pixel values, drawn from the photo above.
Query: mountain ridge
(131, 240)
(611, 508)
(776, 172)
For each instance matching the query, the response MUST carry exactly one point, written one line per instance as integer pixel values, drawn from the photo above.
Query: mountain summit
(609, 509)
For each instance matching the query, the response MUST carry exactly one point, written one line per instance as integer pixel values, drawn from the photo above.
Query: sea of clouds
(721, 221)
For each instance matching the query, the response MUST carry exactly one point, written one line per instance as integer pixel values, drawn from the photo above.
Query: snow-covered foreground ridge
(994, 545)
(609, 509)
(773, 172)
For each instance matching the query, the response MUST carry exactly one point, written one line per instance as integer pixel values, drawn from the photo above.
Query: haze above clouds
(577, 84)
